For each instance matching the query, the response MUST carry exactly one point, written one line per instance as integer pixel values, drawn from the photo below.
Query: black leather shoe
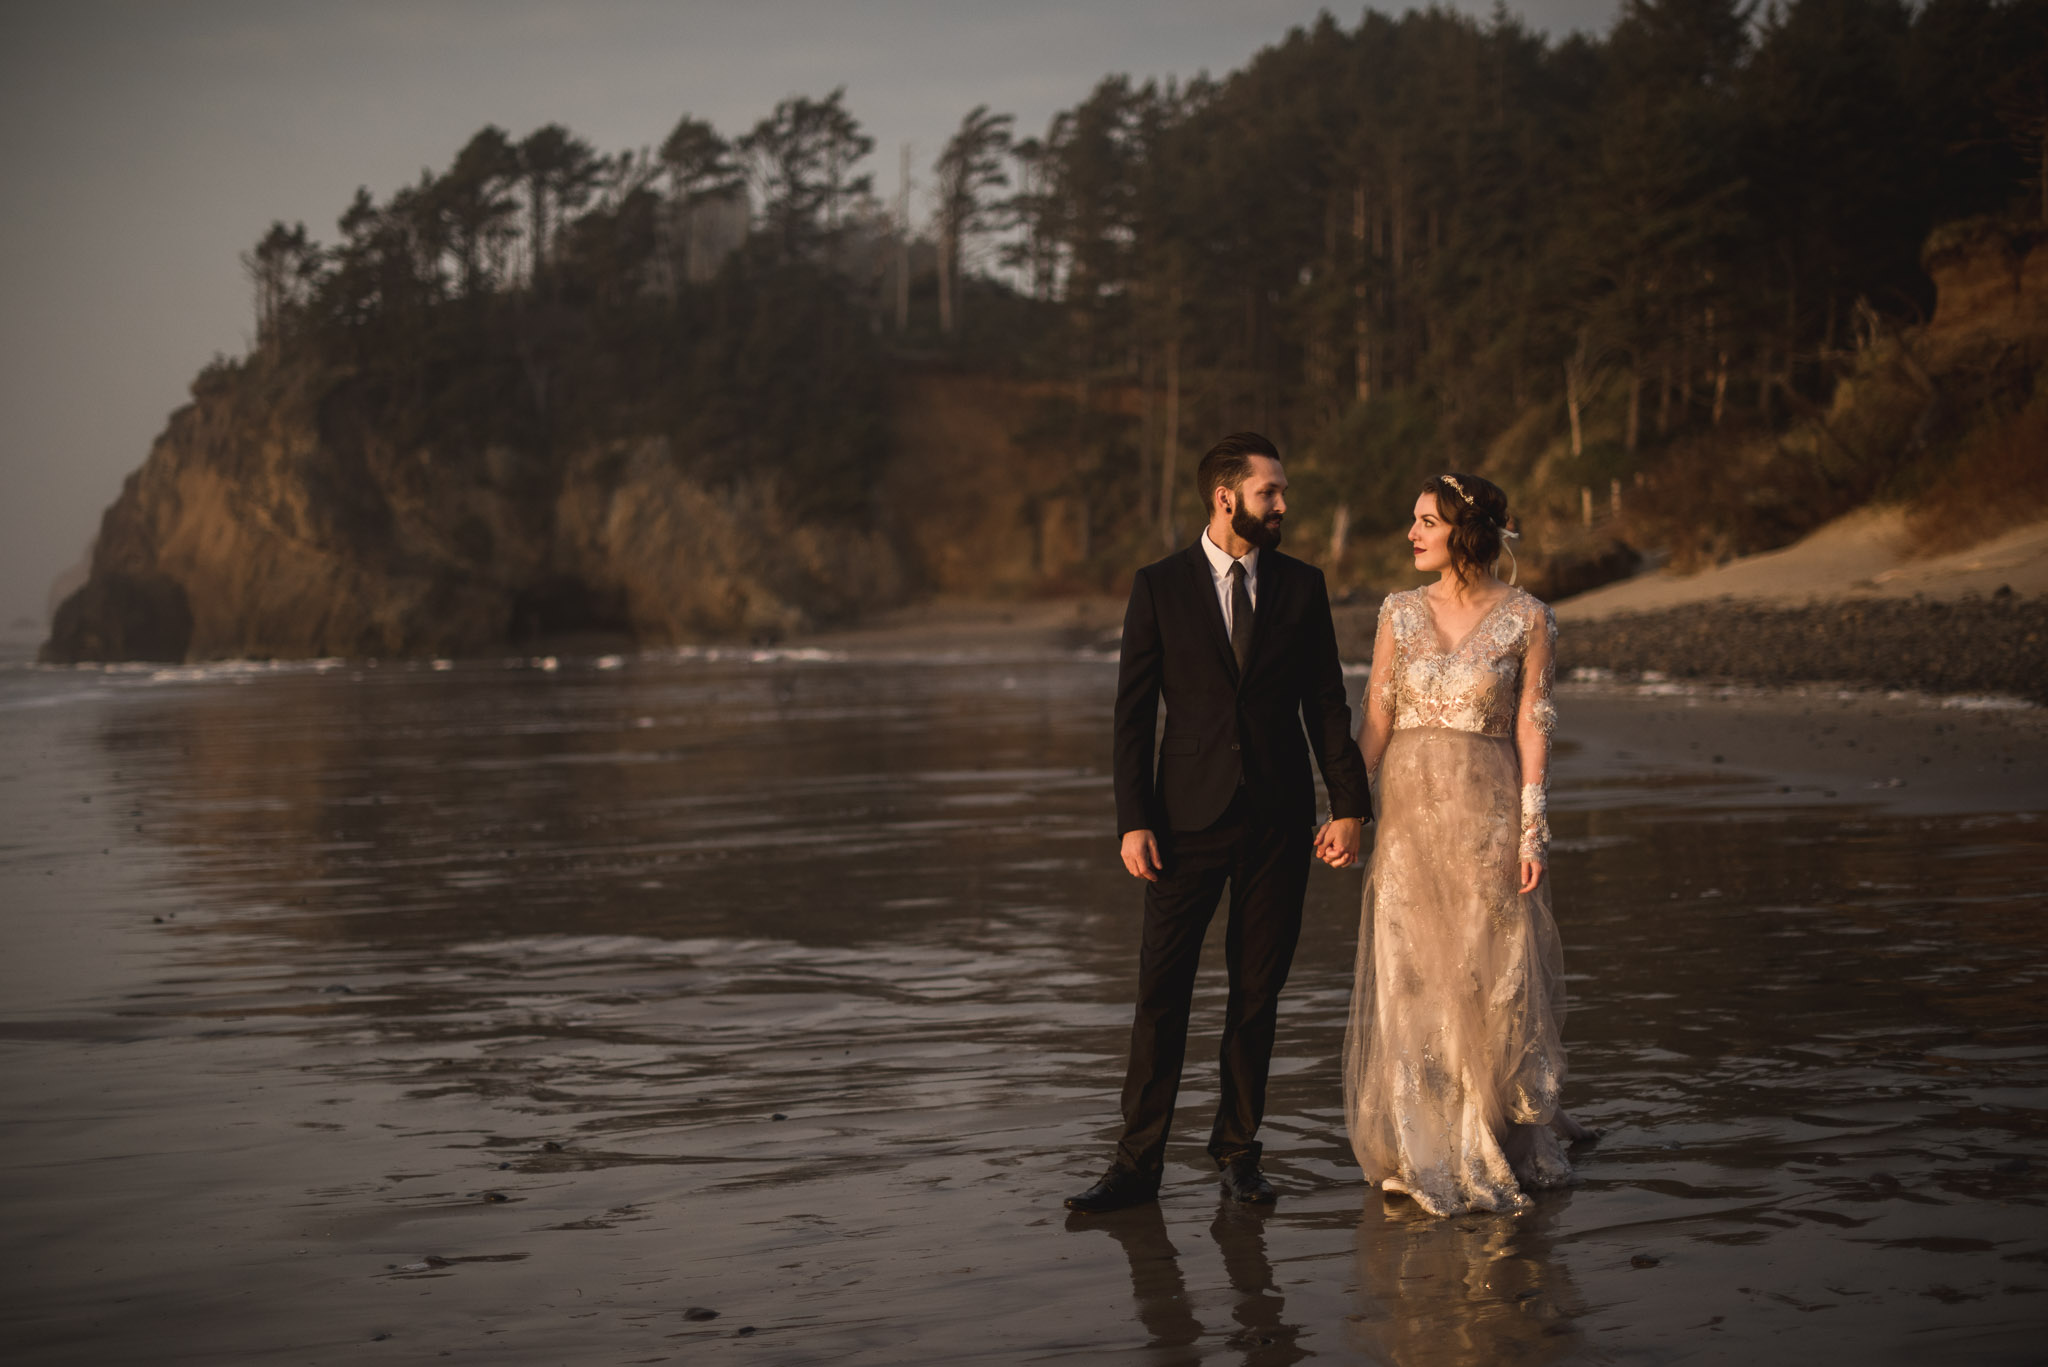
(1119, 1188)
(1242, 1181)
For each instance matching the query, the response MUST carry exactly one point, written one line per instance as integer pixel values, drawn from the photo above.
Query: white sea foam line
(752, 654)
(1985, 702)
(235, 670)
(56, 699)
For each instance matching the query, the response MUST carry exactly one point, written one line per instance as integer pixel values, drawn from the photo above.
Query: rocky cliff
(273, 520)
(1990, 279)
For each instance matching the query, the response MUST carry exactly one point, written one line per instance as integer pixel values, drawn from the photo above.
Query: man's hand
(1141, 855)
(1338, 841)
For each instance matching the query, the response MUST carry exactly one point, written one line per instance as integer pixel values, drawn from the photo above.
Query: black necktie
(1240, 616)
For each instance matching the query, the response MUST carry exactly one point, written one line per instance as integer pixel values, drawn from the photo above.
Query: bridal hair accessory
(1506, 535)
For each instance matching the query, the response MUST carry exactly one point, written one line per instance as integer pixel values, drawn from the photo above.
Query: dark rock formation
(1975, 645)
(273, 520)
(120, 616)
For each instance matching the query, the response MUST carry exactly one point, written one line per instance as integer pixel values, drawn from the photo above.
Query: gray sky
(143, 146)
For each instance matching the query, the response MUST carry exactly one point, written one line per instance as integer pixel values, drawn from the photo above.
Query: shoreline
(1652, 628)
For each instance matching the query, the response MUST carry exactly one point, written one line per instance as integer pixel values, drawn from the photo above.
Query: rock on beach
(1996, 644)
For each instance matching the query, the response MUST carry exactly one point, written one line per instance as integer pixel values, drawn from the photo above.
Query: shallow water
(796, 989)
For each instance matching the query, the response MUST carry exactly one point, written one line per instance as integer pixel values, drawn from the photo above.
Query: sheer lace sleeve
(1378, 725)
(1535, 719)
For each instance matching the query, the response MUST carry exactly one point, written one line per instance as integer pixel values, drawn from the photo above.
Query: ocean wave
(1986, 702)
(752, 654)
(40, 700)
(1655, 683)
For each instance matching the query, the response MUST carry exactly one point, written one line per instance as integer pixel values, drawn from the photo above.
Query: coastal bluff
(284, 512)
(273, 520)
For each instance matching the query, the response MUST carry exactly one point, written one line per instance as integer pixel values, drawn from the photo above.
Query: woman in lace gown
(1452, 1061)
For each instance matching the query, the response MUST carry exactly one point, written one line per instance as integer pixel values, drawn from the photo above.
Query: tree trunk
(946, 280)
(1635, 408)
(1169, 457)
(537, 197)
(1685, 371)
(1572, 398)
(1400, 236)
(1575, 395)
(1393, 303)
(1361, 317)
(1147, 433)
(903, 244)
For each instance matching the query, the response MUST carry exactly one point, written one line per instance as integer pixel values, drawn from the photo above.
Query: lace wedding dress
(1452, 1061)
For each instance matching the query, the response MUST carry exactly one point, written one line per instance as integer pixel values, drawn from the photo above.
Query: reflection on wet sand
(1158, 1289)
(797, 991)
(1263, 1337)
(1263, 1332)
(1464, 1292)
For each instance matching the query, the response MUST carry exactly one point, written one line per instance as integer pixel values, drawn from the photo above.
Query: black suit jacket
(1261, 728)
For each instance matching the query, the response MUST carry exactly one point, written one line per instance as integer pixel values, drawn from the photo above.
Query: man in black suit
(1237, 639)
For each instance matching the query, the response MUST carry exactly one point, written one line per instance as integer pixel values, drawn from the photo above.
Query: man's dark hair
(1227, 464)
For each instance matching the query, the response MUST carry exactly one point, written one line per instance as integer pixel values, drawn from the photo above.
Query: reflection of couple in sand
(1452, 1062)
(1493, 1289)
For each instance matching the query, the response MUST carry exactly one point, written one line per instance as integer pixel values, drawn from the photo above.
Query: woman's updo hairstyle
(1477, 512)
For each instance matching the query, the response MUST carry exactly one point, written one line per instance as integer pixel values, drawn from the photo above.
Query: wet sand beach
(760, 1005)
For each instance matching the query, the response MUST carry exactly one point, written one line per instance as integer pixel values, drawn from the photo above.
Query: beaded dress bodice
(1478, 685)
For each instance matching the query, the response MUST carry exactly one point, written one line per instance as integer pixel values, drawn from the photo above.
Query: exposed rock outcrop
(272, 521)
(1990, 277)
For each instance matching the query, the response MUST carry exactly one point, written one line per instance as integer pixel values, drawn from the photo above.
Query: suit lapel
(1203, 581)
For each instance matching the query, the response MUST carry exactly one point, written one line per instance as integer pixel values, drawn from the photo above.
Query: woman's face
(1430, 536)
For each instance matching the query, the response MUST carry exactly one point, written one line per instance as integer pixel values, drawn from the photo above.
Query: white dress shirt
(1219, 570)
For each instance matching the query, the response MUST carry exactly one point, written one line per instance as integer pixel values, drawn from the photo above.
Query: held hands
(1338, 841)
(1141, 855)
(1336, 845)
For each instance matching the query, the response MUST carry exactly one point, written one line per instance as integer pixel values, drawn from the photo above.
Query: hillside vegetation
(1673, 287)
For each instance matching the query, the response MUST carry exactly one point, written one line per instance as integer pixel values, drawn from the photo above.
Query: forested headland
(1673, 287)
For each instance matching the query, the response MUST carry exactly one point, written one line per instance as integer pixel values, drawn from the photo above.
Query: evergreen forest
(1627, 269)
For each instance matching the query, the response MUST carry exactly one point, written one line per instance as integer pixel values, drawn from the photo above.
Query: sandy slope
(1860, 555)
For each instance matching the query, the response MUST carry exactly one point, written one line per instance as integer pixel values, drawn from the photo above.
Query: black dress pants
(1266, 867)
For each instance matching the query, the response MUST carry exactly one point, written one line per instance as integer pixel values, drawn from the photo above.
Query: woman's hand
(1532, 874)
(1337, 842)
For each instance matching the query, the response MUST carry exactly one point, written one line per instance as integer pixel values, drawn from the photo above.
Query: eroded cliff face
(1990, 280)
(270, 522)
